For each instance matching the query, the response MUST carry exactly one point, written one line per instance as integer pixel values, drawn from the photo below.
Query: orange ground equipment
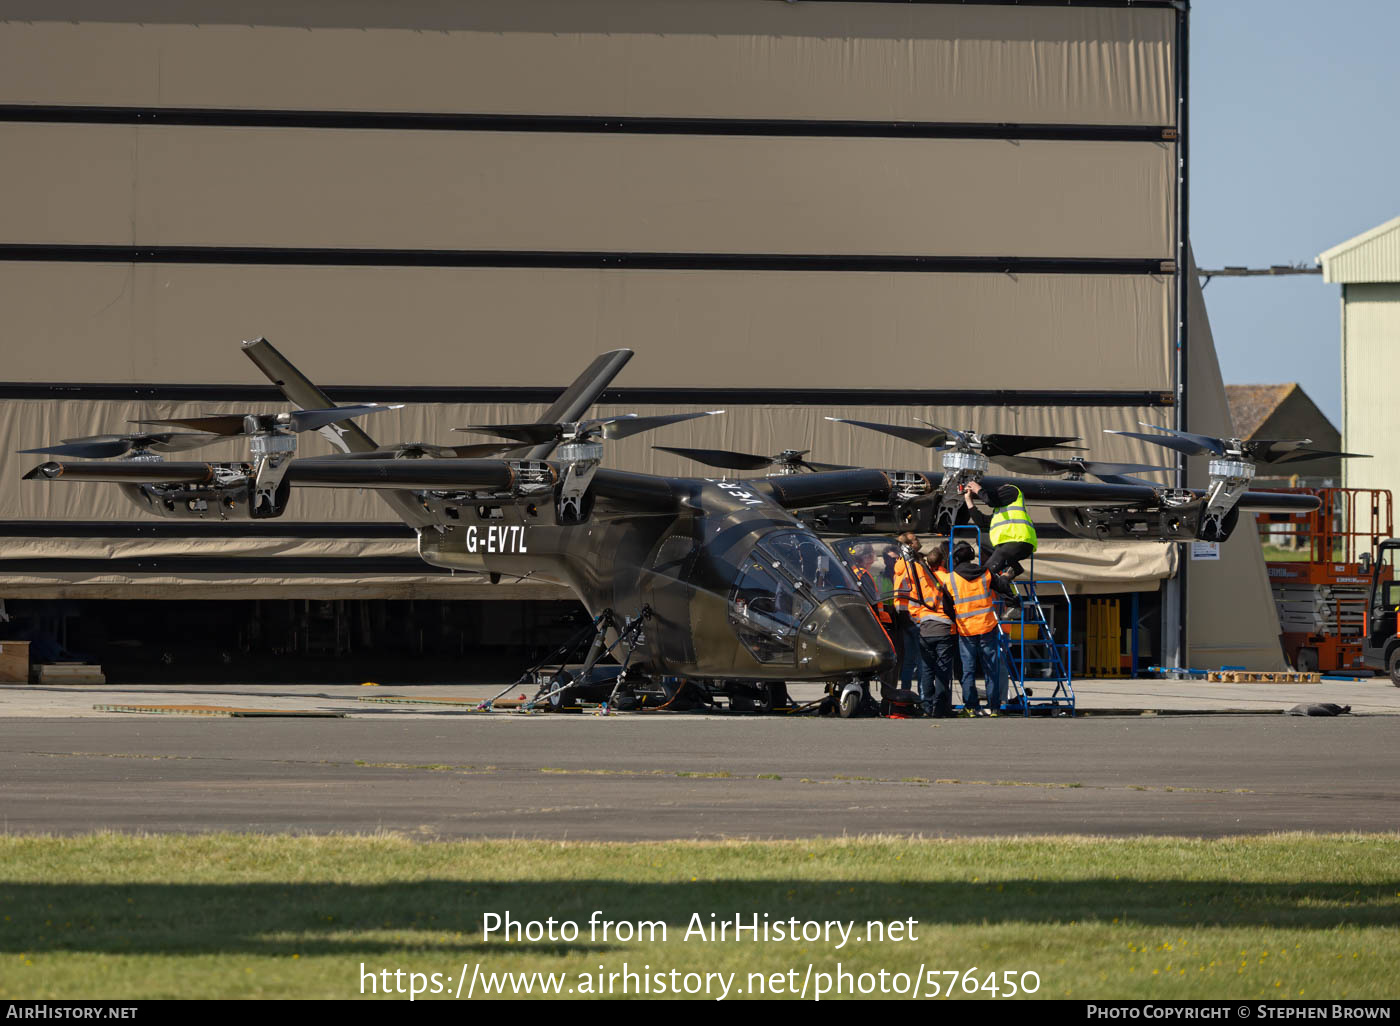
(1322, 596)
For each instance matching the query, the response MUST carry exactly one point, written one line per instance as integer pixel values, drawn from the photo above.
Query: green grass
(1288, 554)
(115, 916)
(1277, 554)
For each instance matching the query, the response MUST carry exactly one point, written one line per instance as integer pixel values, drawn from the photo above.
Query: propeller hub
(580, 452)
(957, 460)
(1231, 468)
(269, 443)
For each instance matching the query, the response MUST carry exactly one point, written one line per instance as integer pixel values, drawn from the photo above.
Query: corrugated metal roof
(1373, 256)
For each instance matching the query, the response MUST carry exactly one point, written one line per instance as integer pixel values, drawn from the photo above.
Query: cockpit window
(801, 555)
(767, 610)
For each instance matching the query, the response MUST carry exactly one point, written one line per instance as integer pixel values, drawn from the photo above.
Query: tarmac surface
(1177, 758)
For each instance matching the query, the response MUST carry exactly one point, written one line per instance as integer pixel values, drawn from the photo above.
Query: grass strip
(220, 915)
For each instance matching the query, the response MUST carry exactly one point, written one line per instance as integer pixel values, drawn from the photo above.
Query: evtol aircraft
(700, 578)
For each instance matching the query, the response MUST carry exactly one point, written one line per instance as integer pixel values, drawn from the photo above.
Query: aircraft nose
(843, 637)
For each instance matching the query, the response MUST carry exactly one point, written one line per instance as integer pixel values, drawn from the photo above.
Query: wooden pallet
(68, 673)
(1262, 677)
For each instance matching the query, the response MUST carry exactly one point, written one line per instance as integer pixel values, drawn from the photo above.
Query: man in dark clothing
(930, 592)
(978, 639)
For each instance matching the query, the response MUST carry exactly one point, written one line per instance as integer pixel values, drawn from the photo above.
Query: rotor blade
(311, 420)
(1181, 445)
(1307, 455)
(1099, 469)
(1009, 445)
(534, 434)
(1034, 465)
(428, 450)
(570, 407)
(1124, 479)
(1265, 451)
(626, 427)
(179, 441)
(1206, 442)
(226, 424)
(952, 436)
(301, 391)
(229, 424)
(1044, 465)
(107, 446)
(92, 449)
(822, 468)
(723, 458)
(928, 437)
(486, 450)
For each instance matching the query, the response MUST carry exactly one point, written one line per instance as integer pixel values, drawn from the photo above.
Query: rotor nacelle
(1230, 477)
(581, 459)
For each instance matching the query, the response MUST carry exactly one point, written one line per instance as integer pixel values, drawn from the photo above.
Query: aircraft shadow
(446, 915)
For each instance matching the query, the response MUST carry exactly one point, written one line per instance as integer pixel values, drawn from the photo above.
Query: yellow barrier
(1101, 655)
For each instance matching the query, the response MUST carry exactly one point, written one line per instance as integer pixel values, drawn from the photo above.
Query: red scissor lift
(1322, 598)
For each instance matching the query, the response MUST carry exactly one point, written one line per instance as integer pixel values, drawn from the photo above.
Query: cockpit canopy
(785, 576)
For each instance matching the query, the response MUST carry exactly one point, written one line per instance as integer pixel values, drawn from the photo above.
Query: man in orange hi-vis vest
(974, 604)
(922, 586)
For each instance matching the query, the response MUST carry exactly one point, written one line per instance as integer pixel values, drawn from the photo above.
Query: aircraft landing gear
(553, 688)
(849, 699)
(852, 696)
(556, 688)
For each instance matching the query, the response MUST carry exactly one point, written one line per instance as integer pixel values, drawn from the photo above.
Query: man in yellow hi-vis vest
(1010, 531)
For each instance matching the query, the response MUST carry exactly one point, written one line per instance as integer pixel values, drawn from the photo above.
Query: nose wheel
(850, 700)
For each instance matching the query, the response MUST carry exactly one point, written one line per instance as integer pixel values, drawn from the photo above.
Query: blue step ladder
(1049, 662)
(1038, 660)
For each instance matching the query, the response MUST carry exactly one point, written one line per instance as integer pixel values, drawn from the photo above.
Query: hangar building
(973, 213)
(1368, 269)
